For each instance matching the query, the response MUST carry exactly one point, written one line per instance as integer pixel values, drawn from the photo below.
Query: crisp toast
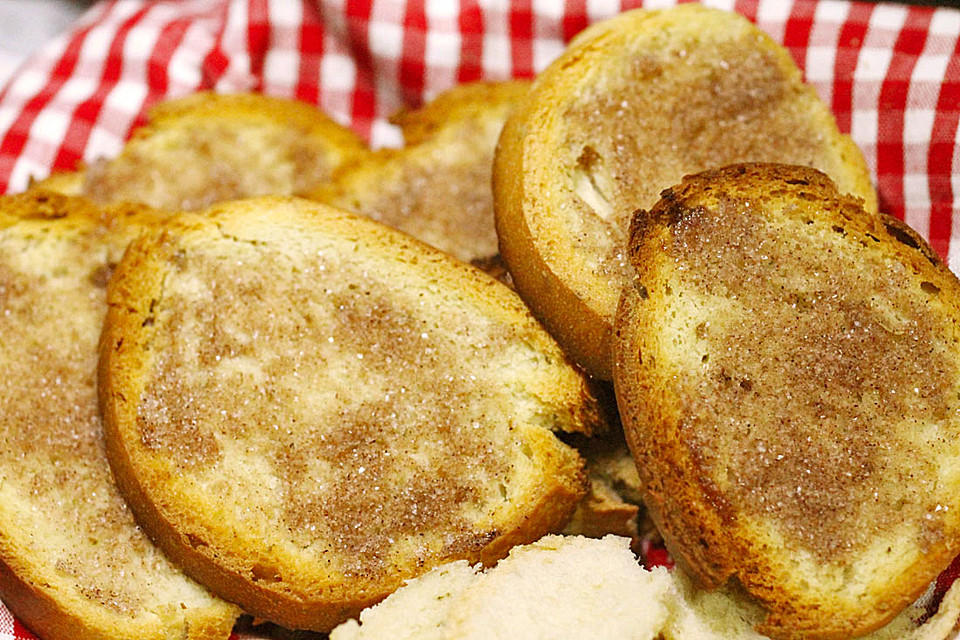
(634, 104)
(305, 408)
(73, 562)
(438, 186)
(788, 374)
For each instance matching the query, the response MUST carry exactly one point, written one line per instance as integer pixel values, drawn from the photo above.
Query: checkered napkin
(890, 73)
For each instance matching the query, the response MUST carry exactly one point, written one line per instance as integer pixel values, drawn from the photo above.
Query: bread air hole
(195, 541)
(526, 451)
(701, 330)
(929, 288)
(592, 182)
(265, 572)
(902, 236)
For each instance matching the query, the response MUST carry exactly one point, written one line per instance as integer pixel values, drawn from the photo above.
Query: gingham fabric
(891, 74)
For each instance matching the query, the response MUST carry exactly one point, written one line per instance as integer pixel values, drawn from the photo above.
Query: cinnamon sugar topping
(813, 369)
(349, 411)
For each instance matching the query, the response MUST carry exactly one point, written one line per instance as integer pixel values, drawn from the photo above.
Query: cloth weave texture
(890, 73)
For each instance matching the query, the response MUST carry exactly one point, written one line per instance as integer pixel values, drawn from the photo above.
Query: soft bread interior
(65, 531)
(540, 591)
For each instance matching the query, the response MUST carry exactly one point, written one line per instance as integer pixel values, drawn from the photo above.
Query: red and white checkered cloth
(891, 74)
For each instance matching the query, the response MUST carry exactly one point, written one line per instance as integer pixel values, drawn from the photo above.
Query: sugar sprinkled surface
(58, 496)
(812, 370)
(226, 160)
(349, 420)
(683, 103)
(440, 194)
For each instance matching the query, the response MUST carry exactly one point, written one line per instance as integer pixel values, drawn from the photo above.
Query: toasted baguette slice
(470, 108)
(788, 372)
(633, 105)
(438, 187)
(306, 408)
(557, 587)
(207, 147)
(73, 563)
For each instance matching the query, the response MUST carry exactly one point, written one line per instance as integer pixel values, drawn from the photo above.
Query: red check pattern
(891, 74)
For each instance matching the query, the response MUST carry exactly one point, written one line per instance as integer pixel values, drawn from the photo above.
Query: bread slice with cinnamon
(207, 147)
(438, 186)
(305, 408)
(634, 104)
(788, 373)
(73, 562)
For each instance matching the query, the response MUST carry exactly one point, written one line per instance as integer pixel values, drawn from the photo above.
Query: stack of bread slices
(253, 369)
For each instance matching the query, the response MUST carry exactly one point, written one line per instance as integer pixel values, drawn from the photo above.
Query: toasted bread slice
(470, 108)
(633, 105)
(73, 563)
(306, 408)
(788, 373)
(438, 187)
(207, 147)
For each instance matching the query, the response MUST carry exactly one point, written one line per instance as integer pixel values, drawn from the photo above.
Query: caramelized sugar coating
(73, 562)
(306, 408)
(633, 105)
(787, 370)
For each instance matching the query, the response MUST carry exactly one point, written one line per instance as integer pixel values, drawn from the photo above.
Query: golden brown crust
(583, 330)
(769, 319)
(49, 614)
(631, 106)
(68, 183)
(73, 563)
(336, 537)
